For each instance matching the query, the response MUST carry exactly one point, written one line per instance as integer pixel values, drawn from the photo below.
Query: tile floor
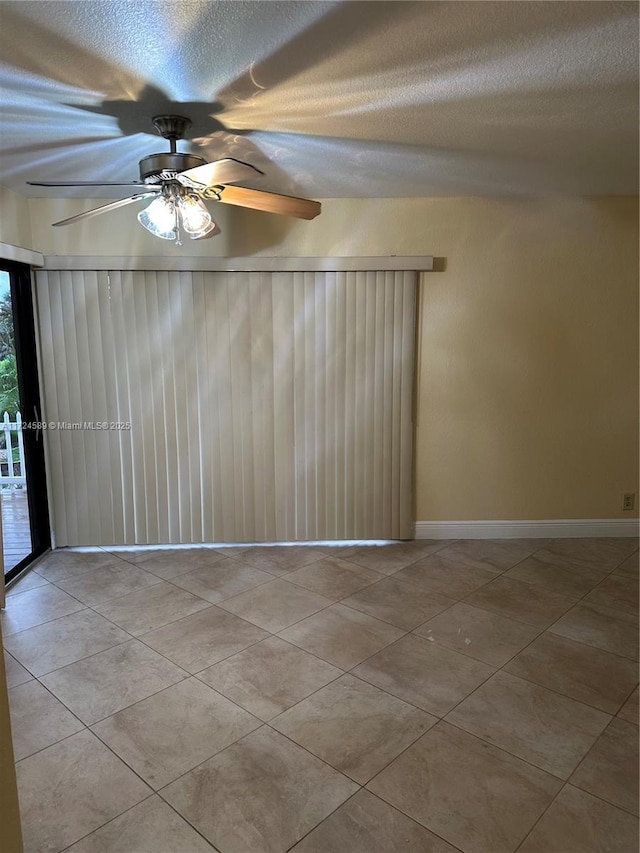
(424, 697)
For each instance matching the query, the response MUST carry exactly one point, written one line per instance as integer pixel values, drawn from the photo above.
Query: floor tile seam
(408, 581)
(325, 660)
(378, 797)
(124, 811)
(625, 701)
(13, 588)
(391, 760)
(393, 624)
(275, 633)
(393, 695)
(618, 574)
(16, 595)
(400, 568)
(240, 707)
(627, 557)
(187, 821)
(445, 717)
(577, 564)
(257, 642)
(124, 708)
(226, 657)
(563, 572)
(367, 585)
(368, 684)
(156, 627)
(152, 696)
(566, 695)
(484, 607)
(81, 574)
(544, 811)
(606, 578)
(350, 562)
(52, 694)
(633, 722)
(331, 813)
(508, 752)
(599, 796)
(242, 559)
(84, 657)
(46, 621)
(589, 645)
(577, 596)
(147, 646)
(280, 713)
(140, 565)
(18, 761)
(315, 756)
(406, 814)
(94, 604)
(571, 639)
(120, 760)
(88, 657)
(315, 613)
(479, 660)
(433, 713)
(260, 724)
(582, 600)
(515, 618)
(91, 832)
(233, 595)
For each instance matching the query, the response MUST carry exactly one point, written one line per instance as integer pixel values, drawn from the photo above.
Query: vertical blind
(262, 406)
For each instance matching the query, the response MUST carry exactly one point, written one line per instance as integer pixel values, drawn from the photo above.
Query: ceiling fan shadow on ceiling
(179, 184)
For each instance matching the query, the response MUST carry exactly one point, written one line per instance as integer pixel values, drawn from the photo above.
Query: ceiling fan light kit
(179, 182)
(177, 206)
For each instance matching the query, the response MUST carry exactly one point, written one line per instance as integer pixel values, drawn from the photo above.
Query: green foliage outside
(9, 396)
(9, 399)
(7, 345)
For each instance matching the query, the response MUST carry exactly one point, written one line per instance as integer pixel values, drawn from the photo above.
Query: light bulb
(160, 218)
(196, 219)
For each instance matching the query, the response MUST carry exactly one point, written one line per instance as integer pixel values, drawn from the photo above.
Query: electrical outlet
(628, 501)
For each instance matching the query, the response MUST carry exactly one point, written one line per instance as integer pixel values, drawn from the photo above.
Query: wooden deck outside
(16, 533)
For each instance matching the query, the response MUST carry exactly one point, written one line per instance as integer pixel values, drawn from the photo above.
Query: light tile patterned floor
(423, 697)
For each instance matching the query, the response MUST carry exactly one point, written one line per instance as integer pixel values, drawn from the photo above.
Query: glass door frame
(29, 392)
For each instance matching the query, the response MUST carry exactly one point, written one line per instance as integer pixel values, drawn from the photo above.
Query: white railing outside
(12, 471)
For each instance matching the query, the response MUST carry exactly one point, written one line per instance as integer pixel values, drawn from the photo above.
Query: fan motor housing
(160, 167)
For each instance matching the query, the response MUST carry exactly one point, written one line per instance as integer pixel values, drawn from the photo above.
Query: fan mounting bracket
(171, 127)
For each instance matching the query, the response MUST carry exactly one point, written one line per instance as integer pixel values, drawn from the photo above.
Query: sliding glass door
(25, 523)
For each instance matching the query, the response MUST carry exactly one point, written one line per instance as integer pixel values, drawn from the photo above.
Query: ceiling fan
(178, 183)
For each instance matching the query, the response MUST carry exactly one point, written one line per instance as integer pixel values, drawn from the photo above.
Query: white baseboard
(561, 528)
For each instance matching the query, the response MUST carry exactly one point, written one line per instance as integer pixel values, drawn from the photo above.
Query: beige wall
(15, 220)
(528, 374)
(527, 379)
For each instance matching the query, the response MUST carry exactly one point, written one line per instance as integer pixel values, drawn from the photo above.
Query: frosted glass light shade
(160, 218)
(196, 219)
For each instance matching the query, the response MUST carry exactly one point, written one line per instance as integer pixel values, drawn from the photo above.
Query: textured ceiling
(329, 99)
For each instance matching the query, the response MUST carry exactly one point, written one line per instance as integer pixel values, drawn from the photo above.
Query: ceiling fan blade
(287, 205)
(226, 171)
(84, 184)
(104, 208)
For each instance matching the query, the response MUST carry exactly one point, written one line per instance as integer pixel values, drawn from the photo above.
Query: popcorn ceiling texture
(383, 99)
